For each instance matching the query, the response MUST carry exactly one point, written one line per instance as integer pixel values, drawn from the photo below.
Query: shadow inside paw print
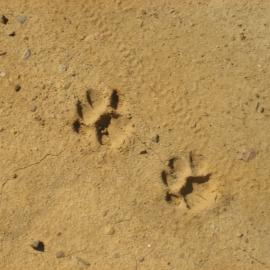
(103, 123)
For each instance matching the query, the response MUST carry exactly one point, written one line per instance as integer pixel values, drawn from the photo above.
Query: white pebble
(2, 74)
(21, 19)
(27, 54)
(62, 68)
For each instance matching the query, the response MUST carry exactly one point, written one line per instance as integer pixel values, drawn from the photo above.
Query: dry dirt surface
(134, 134)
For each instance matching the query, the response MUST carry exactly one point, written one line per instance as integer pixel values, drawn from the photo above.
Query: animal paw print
(100, 118)
(183, 181)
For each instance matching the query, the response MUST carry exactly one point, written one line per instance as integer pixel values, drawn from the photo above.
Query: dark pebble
(38, 246)
(3, 19)
(155, 139)
(17, 87)
(12, 34)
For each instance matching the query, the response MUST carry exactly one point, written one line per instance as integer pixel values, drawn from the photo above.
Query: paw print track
(101, 118)
(181, 180)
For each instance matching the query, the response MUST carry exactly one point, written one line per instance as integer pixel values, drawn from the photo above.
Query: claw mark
(76, 125)
(114, 100)
(171, 163)
(88, 97)
(164, 178)
(79, 109)
(168, 197)
(191, 161)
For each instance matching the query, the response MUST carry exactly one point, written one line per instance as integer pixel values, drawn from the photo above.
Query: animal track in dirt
(103, 119)
(185, 181)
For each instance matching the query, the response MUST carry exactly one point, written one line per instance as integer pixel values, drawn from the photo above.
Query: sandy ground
(134, 134)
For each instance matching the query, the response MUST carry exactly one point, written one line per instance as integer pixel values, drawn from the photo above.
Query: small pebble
(141, 259)
(242, 36)
(3, 19)
(38, 246)
(2, 74)
(60, 254)
(21, 19)
(67, 85)
(248, 154)
(33, 108)
(109, 230)
(62, 68)
(17, 87)
(3, 53)
(12, 34)
(27, 54)
(155, 139)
